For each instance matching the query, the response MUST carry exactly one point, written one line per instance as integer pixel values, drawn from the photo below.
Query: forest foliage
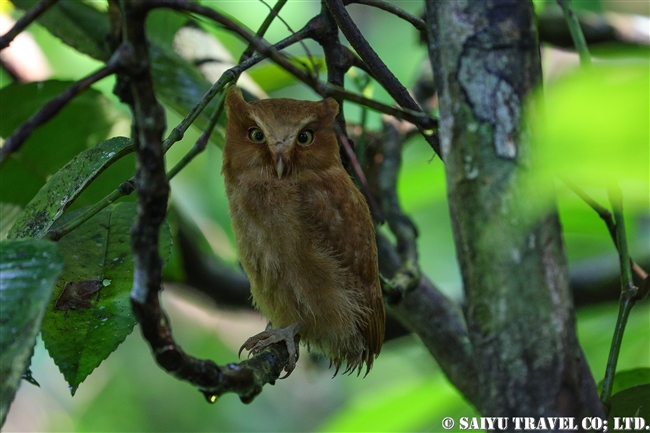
(593, 131)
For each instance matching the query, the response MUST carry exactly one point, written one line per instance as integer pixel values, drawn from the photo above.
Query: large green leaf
(85, 121)
(178, 84)
(633, 402)
(593, 127)
(90, 314)
(65, 186)
(630, 397)
(628, 378)
(77, 24)
(9, 212)
(28, 270)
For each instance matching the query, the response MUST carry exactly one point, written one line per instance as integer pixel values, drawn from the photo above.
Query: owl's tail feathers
(365, 357)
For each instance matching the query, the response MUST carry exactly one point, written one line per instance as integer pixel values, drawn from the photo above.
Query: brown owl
(303, 230)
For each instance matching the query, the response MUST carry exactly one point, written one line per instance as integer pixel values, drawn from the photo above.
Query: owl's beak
(279, 166)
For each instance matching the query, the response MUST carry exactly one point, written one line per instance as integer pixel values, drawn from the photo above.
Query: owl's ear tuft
(333, 106)
(234, 101)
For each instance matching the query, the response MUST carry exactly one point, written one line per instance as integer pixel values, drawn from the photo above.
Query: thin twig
(414, 116)
(136, 87)
(576, 32)
(606, 216)
(417, 22)
(425, 123)
(177, 133)
(628, 295)
(29, 17)
(372, 202)
(408, 275)
(52, 108)
(250, 50)
(202, 141)
(313, 67)
(601, 210)
(125, 188)
(338, 63)
(380, 71)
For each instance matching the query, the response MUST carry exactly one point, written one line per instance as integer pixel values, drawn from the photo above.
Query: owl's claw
(271, 336)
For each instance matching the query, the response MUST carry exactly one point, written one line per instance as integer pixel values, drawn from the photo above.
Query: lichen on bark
(485, 57)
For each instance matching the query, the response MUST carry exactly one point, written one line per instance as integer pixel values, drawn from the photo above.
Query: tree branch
(52, 108)
(628, 295)
(607, 218)
(177, 133)
(380, 71)
(400, 224)
(250, 50)
(30, 16)
(437, 321)
(576, 32)
(202, 141)
(418, 304)
(418, 23)
(519, 312)
(135, 86)
(412, 113)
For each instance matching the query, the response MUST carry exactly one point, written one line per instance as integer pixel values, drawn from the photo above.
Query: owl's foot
(271, 336)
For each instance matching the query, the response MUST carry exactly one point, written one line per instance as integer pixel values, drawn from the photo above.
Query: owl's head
(282, 136)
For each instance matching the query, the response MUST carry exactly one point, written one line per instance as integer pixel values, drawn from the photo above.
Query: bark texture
(485, 57)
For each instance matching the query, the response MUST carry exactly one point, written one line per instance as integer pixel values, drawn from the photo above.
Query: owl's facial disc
(281, 136)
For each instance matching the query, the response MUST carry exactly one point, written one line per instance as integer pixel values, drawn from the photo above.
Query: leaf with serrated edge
(65, 186)
(80, 338)
(28, 270)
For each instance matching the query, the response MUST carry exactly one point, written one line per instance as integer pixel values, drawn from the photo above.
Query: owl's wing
(340, 214)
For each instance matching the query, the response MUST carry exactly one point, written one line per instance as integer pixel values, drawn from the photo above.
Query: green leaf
(410, 406)
(65, 186)
(28, 270)
(178, 83)
(54, 144)
(90, 314)
(593, 127)
(77, 24)
(628, 378)
(631, 402)
(272, 77)
(180, 86)
(9, 212)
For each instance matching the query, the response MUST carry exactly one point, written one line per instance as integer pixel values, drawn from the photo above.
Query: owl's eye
(256, 135)
(305, 138)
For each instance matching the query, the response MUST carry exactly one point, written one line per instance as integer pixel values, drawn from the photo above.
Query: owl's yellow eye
(305, 138)
(256, 135)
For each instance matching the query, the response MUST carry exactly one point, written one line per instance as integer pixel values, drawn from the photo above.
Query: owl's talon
(271, 336)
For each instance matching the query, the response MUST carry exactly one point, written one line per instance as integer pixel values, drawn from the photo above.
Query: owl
(303, 231)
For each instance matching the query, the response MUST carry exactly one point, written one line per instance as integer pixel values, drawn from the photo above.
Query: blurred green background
(406, 390)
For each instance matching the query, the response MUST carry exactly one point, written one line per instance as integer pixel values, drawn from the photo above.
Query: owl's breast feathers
(307, 245)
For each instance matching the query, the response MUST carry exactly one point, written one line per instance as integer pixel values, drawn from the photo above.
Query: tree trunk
(486, 61)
